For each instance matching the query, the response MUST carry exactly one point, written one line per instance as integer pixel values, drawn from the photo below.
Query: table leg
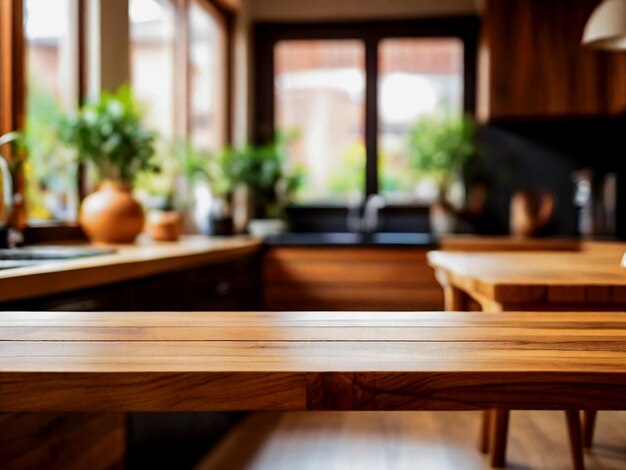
(499, 434)
(455, 299)
(485, 431)
(575, 439)
(589, 424)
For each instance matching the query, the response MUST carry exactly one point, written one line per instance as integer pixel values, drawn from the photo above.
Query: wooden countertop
(143, 259)
(593, 274)
(211, 361)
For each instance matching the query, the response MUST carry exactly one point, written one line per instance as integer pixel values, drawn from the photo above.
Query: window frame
(371, 33)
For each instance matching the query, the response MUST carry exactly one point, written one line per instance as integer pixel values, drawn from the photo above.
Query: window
(181, 85)
(320, 99)
(207, 72)
(51, 48)
(417, 78)
(352, 94)
(179, 76)
(42, 77)
(152, 52)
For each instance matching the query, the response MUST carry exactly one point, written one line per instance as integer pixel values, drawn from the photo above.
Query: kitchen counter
(128, 262)
(422, 240)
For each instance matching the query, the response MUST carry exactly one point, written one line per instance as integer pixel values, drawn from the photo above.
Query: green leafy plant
(442, 147)
(109, 134)
(214, 168)
(262, 170)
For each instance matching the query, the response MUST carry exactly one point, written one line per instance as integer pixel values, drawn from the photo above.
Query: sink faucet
(368, 222)
(371, 220)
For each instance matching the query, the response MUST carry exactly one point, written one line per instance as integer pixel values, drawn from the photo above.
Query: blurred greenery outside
(51, 167)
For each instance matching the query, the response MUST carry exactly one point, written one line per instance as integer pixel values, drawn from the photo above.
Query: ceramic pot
(164, 226)
(111, 214)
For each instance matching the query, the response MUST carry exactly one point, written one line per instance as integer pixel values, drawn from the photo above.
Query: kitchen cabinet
(532, 63)
(349, 278)
(231, 285)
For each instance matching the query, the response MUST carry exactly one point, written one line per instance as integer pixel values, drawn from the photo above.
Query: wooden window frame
(267, 35)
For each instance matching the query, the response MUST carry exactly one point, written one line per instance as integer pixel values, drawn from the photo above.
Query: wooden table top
(145, 258)
(484, 243)
(591, 275)
(54, 361)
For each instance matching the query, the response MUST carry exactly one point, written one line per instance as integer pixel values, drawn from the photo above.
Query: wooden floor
(403, 440)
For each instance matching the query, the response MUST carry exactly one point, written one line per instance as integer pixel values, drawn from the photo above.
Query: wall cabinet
(533, 63)
(354, 278)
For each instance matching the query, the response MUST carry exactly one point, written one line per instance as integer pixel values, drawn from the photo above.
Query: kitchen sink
(28, 256)
(353, 239)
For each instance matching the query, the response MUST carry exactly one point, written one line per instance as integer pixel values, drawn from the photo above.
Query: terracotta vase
(111, 214)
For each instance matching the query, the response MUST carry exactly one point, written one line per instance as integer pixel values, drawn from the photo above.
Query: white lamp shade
(606, 28)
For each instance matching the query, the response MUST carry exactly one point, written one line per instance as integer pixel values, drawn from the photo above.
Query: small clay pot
(164, 226)
(112, 214)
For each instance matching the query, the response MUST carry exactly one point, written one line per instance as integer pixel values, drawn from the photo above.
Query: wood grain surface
(473, 243)
(593, 276)
(129, 262)
(297, 360)
(69, 441)
(566, 79)
(349, 279)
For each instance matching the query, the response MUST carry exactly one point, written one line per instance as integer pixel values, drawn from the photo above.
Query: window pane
(320, 97)
(152, 61)
(418, 77)
(51, 62)
(207, 69)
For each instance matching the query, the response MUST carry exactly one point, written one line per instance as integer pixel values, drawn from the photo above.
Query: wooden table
(124, 362)
(590, 279)
(533, 281)
(54, 361)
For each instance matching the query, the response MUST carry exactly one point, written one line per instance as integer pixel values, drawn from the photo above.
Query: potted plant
(262, 171)
(209, 177)
(157, 194)
(108, 134)
(441, 148)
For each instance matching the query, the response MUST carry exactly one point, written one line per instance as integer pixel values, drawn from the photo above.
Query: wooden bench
(126, 362)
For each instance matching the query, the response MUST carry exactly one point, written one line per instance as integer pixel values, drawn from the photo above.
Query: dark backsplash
(544, 153)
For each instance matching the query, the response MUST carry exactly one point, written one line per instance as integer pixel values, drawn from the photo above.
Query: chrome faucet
(371, 220)
(368, 222)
